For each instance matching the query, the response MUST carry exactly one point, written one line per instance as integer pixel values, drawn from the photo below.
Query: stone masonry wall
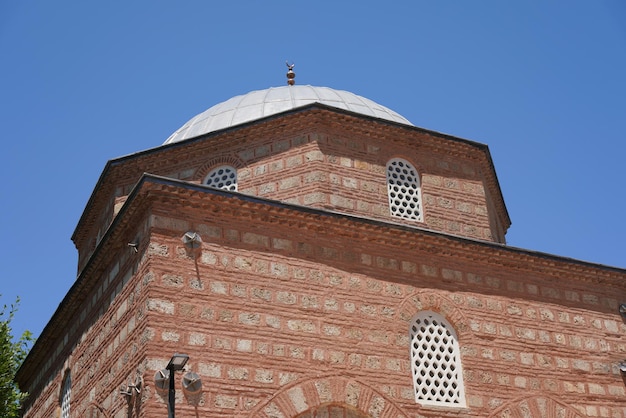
(272, 313)
(346, 171)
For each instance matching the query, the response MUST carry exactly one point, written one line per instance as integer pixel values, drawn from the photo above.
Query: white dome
(261, 103)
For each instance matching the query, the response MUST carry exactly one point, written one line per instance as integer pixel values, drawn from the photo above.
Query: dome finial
(291, 76)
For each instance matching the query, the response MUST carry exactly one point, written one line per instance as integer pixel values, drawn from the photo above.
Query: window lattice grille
(65, 397)
(435, 361)
(223, 177)
(403, 188)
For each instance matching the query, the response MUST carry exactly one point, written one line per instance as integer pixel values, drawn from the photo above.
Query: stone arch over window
(404, 190)
(432, 301)
(435, 361)
(66, 394)
(535, 406)
(339, 394)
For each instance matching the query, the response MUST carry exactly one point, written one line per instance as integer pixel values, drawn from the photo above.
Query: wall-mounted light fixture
(622, 310)
(192, 240)
(132, 389)
(192, 383)
(136, 386)
(162, 381)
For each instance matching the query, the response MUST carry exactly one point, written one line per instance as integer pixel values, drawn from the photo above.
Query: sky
(542, 83)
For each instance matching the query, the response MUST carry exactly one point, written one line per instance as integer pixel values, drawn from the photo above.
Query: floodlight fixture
(177, 362)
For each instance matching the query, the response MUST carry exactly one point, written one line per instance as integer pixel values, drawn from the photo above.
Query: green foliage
(12, 354)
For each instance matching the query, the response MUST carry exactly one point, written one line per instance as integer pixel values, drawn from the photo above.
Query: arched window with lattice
(435, 361)
(404, 191)
(66, 392)
(222, 177)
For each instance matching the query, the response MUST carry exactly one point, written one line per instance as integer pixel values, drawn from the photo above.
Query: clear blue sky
(543, 83)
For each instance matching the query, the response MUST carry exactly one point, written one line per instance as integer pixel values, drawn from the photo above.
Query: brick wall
(264, 308)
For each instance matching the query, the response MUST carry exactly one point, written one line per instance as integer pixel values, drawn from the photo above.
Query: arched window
(403, 189)
(435, 361)
(66, 392)
(222, 177)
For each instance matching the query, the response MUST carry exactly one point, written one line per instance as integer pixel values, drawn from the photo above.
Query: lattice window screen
(436, 361)
(403, 189)
(65, 396)
(223, 177)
